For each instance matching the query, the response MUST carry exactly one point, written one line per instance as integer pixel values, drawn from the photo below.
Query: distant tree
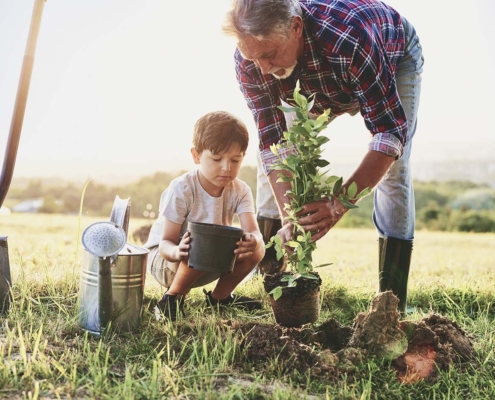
(472, 221)
(430, 212)
(436, 202)
(50, 205)
(426, 192)
(33, 190)
(475, 199)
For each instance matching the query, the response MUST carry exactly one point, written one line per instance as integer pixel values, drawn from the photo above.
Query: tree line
(442, 206)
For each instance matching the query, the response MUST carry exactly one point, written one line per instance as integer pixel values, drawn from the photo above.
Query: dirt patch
(417, 350)
(435, 343)
(270, 342)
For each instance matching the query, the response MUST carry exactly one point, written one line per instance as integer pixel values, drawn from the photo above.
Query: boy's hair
(218, 131)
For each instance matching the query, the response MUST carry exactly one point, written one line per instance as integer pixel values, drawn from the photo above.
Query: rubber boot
(394, 263)
(269, 264)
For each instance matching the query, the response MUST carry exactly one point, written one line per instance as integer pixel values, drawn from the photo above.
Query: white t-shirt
(185, 200)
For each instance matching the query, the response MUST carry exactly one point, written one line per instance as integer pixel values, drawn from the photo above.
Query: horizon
(482, 172)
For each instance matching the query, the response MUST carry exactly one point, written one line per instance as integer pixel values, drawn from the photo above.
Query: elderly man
(355, 56)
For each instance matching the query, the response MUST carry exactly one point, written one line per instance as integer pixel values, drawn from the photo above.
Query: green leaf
(352, 190)
(284, 178)
(300, 253)
(323, 265)
(321, 163)
(287, 109)
(309, 276)
(300, 100)
(311, 103)
(322, 140)
(321, 121)
(283, 167)
(346, 203)
(307, 126)
(292, 160)
(299, 130)
(276, 293)
(364, 192)
(332, 179)
(300, 115)
(292, 284)
(337, 185)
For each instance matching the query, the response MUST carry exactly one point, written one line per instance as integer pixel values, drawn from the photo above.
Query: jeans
(394, 207)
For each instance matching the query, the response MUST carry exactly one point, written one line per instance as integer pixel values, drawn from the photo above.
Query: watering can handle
(121, 212)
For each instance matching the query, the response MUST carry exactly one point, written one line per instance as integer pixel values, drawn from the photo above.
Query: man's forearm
(367, 175)
(371, 170)
(279, 190)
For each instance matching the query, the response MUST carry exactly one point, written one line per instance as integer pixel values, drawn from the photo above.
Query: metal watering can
(113, 272)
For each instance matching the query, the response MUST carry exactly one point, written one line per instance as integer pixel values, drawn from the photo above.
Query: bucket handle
(121, 212)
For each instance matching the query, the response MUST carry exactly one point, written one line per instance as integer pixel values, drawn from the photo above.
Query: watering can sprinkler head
(104, 239)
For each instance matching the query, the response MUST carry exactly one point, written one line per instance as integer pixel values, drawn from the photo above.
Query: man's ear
(297, 26)
(195, 155)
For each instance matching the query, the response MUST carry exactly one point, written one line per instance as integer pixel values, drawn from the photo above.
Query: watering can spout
(105, 298)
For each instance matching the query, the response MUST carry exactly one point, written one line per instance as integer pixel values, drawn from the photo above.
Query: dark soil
(298, 305)
(417, 350)
(304, 285)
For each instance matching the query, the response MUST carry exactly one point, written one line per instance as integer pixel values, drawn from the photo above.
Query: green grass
(45, 354)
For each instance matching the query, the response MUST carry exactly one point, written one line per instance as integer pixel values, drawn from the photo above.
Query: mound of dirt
(417, 350)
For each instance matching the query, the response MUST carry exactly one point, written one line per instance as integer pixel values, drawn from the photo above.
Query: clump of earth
(417, 350)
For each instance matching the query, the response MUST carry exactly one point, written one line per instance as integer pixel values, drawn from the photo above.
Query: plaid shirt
(351, 52)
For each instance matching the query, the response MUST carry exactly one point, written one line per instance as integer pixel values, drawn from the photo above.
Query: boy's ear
(195, 155)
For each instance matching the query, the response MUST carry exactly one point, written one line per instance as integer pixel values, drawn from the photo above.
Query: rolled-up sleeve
(373, 82)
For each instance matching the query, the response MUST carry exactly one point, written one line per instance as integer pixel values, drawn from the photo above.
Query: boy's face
(217, 170)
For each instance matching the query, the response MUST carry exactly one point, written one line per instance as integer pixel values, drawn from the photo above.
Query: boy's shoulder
(186, 178)
(240, 185)
(240, 182)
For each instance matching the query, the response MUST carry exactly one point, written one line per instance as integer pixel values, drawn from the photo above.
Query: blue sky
(118, 84)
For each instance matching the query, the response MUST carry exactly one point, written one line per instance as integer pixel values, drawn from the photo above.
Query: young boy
(210, 193)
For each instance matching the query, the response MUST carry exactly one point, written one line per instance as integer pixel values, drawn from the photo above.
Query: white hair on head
(261, 18)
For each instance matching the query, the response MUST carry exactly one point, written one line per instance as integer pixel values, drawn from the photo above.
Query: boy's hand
(246, 246)
(183, 247)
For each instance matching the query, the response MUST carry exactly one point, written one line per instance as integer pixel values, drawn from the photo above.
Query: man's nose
(265, 66)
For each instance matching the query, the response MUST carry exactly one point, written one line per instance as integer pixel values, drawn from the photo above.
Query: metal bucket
(128, 273)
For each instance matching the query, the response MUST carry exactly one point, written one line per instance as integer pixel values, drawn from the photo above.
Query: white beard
(288, 72)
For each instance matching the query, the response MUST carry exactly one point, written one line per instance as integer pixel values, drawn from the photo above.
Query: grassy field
(45, 354)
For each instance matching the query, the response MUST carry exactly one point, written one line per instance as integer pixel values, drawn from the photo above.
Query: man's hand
(286, 232)
(321, 216)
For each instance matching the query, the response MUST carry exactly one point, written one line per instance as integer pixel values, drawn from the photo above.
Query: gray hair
(260, 18)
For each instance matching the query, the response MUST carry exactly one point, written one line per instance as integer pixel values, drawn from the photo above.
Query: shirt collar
(312, 57)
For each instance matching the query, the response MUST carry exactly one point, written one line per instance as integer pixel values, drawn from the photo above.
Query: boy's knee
(256, 257)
